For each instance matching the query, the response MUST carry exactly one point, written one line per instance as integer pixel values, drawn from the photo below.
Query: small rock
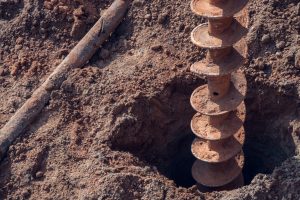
(135, 194)
(280, 45)
(147, 169)
(148, 17)
(27, 178)
(265, 39)
(26, 193)
(46, 187)
(39, 174)
(18, 47)
(43, 30)
(85, 92)
(14, 69)
(78, 12)
(137, 3)
(6, 48)
(278, 54)
(157, 47)
(163, 18)
(48, 5)
(98, 172)
(63, 9)
(19, 40)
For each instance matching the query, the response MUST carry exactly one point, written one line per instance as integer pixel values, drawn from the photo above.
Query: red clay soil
(119, 127)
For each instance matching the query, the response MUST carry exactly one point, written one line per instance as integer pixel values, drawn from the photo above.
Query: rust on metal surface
(215, 151)
(218, 174)
(217, 8)
(218, 123)
(224, 65)
(202, 37)
(203, 103)
(220, 126)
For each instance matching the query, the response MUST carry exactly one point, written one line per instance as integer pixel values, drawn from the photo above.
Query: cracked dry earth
(118, 128)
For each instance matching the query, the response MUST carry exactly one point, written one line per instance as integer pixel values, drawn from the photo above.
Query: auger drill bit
(220, 107)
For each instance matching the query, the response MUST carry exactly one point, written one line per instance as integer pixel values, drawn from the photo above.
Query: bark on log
(80, 54)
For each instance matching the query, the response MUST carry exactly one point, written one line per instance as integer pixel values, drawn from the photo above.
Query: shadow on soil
(9, 9)
(157, 130)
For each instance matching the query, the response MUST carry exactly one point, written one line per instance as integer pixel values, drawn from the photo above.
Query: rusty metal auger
(220, 106)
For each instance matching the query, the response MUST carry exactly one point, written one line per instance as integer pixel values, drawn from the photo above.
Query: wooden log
(79, 56)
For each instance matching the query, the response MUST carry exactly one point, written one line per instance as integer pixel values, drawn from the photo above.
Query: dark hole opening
(216, 93)
(181, 164)
(164, 137)
(262, 155)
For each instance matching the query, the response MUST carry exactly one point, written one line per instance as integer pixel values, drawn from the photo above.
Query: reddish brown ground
(119, 127)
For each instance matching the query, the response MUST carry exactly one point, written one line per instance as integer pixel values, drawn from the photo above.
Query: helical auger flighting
(218, 123)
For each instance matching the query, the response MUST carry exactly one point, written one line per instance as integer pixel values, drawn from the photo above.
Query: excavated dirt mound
(119, 127)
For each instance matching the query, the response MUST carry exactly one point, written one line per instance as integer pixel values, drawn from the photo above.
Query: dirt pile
(119, 127)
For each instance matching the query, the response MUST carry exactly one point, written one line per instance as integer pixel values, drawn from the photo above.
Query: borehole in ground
(157, 131)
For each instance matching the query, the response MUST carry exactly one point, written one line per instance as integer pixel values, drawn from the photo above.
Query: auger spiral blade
(218, 123)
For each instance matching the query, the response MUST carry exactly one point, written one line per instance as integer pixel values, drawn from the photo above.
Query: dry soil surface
(118, 128)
